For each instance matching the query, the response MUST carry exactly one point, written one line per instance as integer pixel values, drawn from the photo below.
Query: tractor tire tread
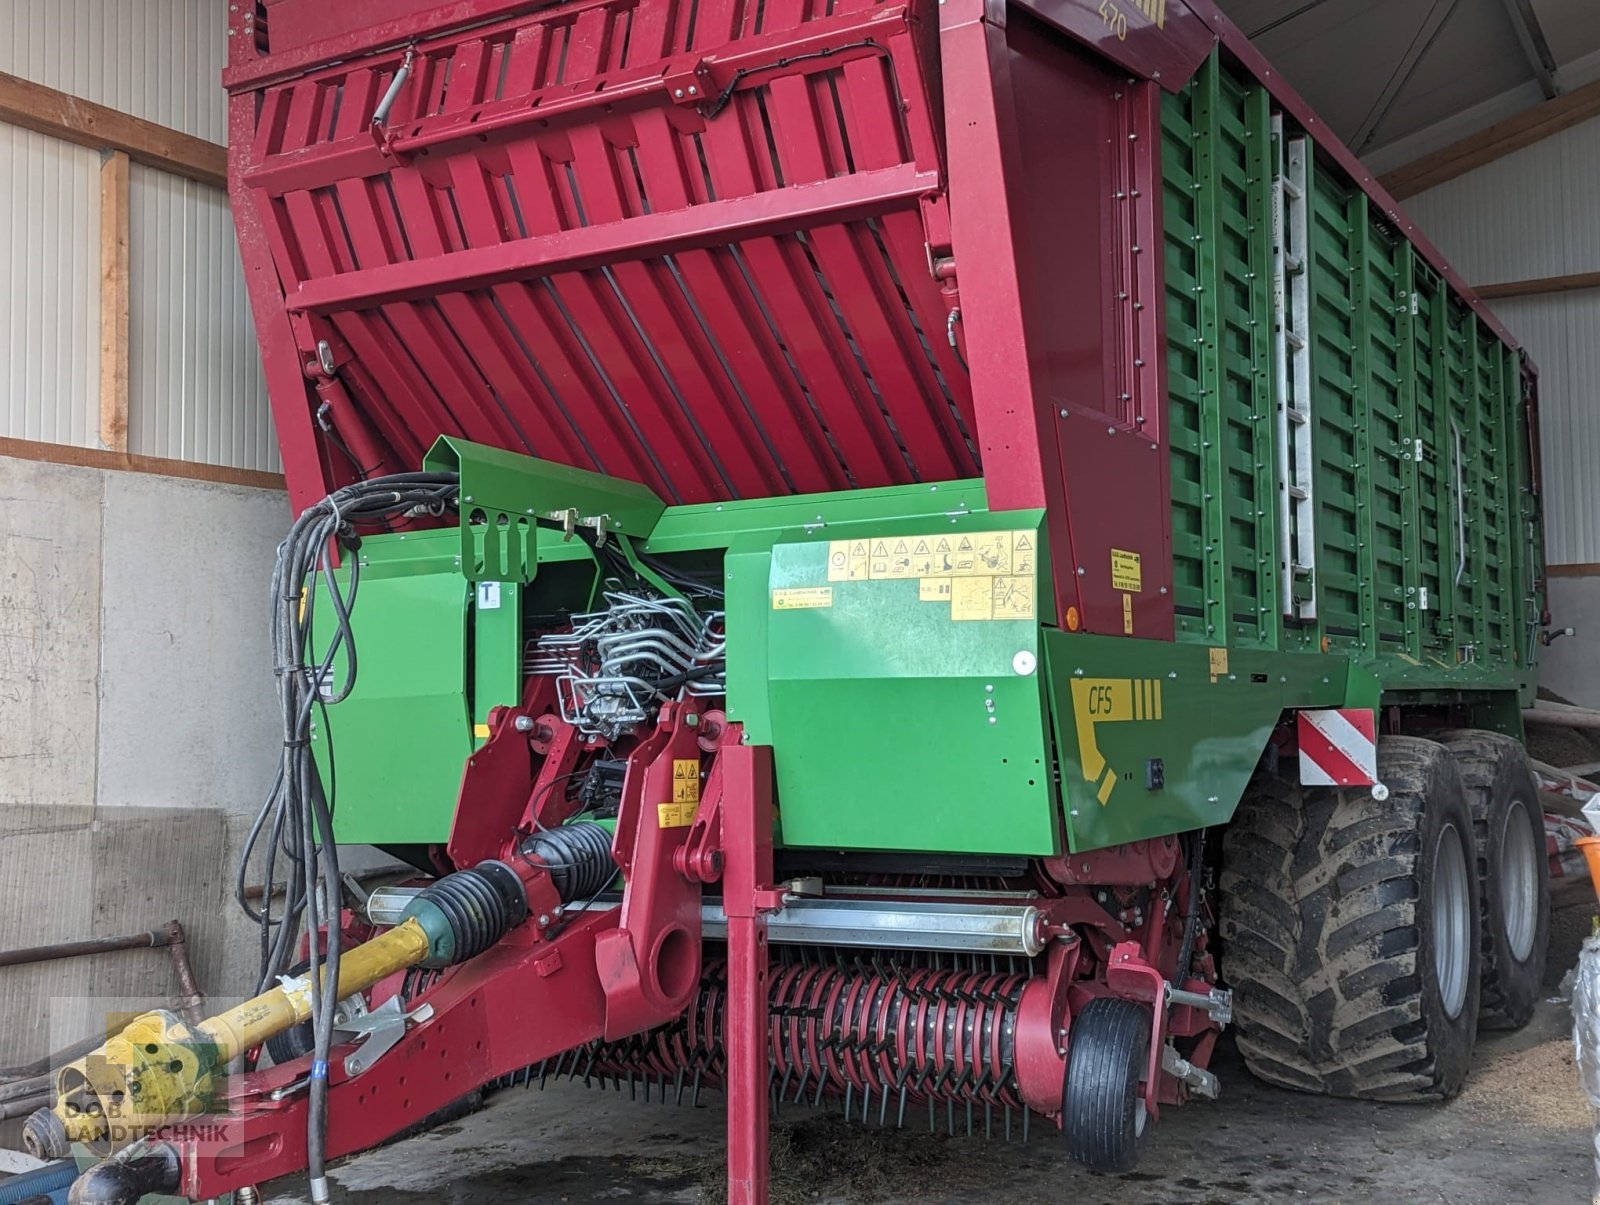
(1320, 931)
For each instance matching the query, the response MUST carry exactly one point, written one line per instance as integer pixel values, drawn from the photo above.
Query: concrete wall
(137, 731)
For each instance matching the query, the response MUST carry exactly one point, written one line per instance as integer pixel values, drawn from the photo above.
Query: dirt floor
(1521, 1132)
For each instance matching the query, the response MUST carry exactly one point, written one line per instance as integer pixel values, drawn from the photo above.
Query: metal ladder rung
(1297, 511)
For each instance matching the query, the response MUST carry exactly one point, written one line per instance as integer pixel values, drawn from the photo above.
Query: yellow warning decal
(1127, 615)
(941, 554)
(676, 815)
(999, 597)
(685, 780)
(1013, 597)
(1125, 571)
(972, 598)
(802, 598)
(480, 731)
(1109, 701)
(1219, 663)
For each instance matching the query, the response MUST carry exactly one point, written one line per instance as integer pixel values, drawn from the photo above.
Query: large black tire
(1514, 870)
(1103, 1115)
(1335, 910)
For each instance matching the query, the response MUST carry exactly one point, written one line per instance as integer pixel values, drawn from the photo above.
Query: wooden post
(114, 178)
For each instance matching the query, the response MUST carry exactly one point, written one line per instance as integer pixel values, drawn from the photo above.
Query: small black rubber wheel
(1513, 871)
(1102, 1108)
(44, 1137)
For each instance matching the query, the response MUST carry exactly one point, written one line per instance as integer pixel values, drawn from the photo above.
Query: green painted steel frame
(1398, 366)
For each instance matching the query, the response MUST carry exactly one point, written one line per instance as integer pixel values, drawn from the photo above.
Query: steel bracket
(382, 1028)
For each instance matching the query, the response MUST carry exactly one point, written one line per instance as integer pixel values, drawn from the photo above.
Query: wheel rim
(1452, 920)
(1141, 1116)
(1519, 881)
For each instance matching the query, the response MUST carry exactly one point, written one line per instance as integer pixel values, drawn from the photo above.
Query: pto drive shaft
(160, 1069)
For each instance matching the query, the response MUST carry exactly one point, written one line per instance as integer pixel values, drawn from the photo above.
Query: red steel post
(747, 848)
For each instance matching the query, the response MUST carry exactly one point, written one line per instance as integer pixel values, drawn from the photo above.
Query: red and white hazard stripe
(1339, 747)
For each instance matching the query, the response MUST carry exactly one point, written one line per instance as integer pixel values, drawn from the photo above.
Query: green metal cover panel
(1120, 706)
(403, 735)
(399, 741)
(1428, 547)
(895, 724)
(1217, 213)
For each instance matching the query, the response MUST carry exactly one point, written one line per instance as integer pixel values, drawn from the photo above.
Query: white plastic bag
(1586, 1035)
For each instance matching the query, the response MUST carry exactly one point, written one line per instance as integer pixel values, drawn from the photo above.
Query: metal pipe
(380, 115)
(21, 1106)
(1012, 929)
(192, 999)
(1562, 719)
(153, 939)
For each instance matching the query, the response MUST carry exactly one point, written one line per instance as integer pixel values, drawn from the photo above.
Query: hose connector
(127, 1176)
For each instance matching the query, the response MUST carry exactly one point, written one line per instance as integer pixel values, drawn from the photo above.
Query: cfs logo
(1109, 701)
(1102, 701)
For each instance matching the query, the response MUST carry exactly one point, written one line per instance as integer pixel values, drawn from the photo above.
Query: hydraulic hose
(1191, 918)
(296, 821)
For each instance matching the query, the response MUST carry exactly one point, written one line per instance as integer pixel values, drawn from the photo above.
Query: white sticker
(488, 596)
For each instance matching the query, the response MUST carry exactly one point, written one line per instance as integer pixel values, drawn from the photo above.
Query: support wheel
(1102, 1108)
(1508, 835)
(1350, 930)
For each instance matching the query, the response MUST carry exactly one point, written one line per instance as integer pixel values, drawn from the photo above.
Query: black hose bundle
(1191, 919)
(296, 816)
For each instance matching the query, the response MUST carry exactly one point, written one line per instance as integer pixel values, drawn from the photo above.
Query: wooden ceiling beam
(1496, 142)
(47, 111)
(1540, 286)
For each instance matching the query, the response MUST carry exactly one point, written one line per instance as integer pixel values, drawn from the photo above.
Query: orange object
(1591, 854)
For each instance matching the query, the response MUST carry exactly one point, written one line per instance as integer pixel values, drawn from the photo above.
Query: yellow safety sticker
(685, 780)
(802, 598)
(1013, 597)
(847, 561)
(481, 731)
(940, 554)
(934, 589)
(1127, 615)
(676, 815)
(1219, 663)
(972, 598)
(1125, 571)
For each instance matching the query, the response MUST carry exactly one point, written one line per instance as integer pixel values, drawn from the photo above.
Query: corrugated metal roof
(1382, 70)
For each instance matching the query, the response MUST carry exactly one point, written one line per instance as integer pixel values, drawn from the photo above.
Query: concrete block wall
(138, 731)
